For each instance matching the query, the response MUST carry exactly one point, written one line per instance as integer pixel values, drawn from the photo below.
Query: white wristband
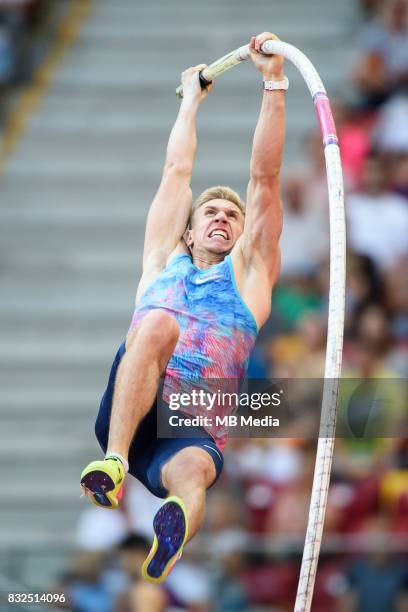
(275, 85)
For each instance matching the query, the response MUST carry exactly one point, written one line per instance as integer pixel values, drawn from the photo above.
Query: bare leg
(188, 475)
(148, 350)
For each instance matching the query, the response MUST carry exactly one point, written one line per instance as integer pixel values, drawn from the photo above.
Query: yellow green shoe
(170, 533)
(102, 481)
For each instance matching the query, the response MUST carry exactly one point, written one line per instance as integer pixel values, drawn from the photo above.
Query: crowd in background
(21, 22)
(249, 551)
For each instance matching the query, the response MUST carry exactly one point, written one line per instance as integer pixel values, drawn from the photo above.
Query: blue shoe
(170, 528)
(102, 482)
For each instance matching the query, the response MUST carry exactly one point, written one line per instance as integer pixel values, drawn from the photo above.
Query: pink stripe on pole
(324, 113)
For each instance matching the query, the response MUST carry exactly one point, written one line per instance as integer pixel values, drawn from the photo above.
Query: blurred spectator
(229, 591)
(222, 513)
(292, 301)
(397, 303)
(272, 585)
(189, 584)
(8, 26)
(377, 218)
(301, 354)
(400, 175)
(394, 488)
(382, 68)
(353, 129)
(390, 135)
(100, 530)
(140, 595)
(225, 523)
(364, 287)
(282, 462)
(84, 584)
(302, 225)
(367, 355)
(376, 583)
(312, 332)
(311, 181)
(330, 583)
(289, 513)
(10, 22)
(369, 7)
(372, 329)
(26, 29)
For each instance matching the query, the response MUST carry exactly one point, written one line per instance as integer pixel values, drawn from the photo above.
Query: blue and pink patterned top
(217, 330)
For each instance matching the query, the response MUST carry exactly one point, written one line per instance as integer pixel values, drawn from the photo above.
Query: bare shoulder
(254, 280)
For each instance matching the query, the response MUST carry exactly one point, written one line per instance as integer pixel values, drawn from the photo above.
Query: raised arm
(170, 209)
(263, 223)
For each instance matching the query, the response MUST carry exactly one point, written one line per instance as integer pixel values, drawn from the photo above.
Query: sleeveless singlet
(217, 330)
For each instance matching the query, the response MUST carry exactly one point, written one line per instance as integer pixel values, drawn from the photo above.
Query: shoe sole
(100, 484)
(170, 528)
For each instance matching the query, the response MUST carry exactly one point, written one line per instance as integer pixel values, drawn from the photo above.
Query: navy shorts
(148, 453)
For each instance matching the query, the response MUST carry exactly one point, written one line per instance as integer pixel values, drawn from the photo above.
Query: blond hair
(219, 192)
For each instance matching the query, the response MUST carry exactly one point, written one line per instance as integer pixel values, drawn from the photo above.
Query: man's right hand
(271, 66)
(191, 84)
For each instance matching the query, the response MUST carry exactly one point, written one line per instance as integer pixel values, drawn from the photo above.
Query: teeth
(222, 234)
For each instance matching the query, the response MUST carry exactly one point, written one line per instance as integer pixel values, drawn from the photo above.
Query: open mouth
(220, 233)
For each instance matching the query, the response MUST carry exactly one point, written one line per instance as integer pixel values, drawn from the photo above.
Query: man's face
(216, 226)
